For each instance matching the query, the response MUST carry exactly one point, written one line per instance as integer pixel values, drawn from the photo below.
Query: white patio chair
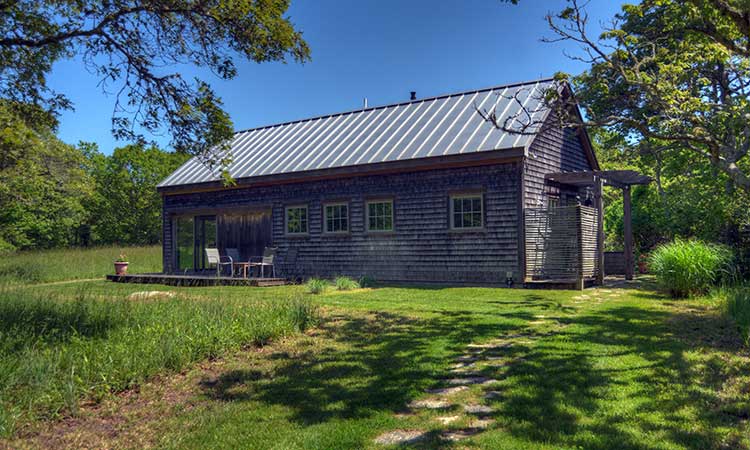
(214, 258)
(269, 253)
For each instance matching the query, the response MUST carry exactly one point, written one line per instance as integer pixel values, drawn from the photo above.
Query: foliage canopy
(136, 48)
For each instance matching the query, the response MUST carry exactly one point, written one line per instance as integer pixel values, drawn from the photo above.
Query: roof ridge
(373, 108)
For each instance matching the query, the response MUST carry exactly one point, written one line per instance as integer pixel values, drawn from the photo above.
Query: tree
(42, 184)
(664, 73)
(135, 48)
(126, 208)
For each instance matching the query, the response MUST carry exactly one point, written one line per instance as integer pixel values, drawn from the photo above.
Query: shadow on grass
(555, 393)
(558, 394)
(379, 362)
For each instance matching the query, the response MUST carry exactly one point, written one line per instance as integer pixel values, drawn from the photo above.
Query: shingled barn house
(421, 191)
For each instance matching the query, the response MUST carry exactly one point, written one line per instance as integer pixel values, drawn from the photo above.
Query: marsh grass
(345, 284)
(74, 263)
(316, 285)
(736, 301)
(56, 350)
(690, 268)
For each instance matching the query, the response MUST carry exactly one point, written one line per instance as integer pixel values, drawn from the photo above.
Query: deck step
(195, 280)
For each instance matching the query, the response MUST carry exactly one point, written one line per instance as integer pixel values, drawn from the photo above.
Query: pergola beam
(621, 179)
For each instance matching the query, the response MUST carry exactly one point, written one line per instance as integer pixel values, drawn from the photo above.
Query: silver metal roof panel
(430, 127)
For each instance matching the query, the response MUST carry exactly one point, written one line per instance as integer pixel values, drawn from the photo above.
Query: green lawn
(603, 368)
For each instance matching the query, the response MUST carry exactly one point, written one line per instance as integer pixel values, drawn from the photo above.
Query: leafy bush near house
(366, 281)
(345, 284)
(316, 285)
(685, 268)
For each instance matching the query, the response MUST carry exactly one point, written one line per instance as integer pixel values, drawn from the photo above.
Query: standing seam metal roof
(430, 127)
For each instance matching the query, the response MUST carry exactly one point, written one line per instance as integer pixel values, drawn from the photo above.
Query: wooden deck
(195, 280)
(564, 284)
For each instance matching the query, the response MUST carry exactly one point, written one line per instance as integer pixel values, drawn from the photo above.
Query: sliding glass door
(193, 235)
(184, 243)
(205, 237)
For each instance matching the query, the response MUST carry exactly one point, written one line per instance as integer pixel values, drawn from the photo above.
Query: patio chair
(234, 256)
(214, 258)
(269, 253)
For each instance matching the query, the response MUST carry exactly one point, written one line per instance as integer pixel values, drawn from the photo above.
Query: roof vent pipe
(364, 103)
(413, 95)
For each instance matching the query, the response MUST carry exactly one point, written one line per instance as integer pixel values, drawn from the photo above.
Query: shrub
(685, 268)
(316, 285)
(737, 306)
(366, 282)
(345, 284)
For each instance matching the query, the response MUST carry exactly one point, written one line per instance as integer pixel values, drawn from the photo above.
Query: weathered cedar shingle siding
(553, 150)
(421, 247)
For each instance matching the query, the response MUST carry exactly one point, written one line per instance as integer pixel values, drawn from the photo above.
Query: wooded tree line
(53, 194)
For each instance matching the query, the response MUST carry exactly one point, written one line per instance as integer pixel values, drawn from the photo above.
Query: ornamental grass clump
(690, 268)
(737, 306)
(345, 284)
(316, 285)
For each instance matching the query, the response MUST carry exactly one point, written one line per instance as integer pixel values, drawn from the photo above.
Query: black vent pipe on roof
(413, 95)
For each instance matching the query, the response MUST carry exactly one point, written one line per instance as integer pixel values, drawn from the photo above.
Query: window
(553, 202)
(466, 212)
(296, 220)
(336, 218)
(380, 215)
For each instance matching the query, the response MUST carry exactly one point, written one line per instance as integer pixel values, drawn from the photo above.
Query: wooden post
(598, 196)
(628, 231)
(580, 282)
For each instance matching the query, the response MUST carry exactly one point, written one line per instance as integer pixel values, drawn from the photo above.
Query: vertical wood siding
(421, 248)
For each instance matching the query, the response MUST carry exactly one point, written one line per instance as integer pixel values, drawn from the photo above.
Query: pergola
(622, 179)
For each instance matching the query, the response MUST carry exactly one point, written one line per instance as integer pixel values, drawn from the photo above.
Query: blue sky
(379, 49)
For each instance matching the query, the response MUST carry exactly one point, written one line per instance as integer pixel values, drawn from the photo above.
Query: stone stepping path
(400, 437)
(464, 376)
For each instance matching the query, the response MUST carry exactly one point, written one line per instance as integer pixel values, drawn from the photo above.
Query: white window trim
(452, 215)
(348, 218)
(367, 215)
(286, 220)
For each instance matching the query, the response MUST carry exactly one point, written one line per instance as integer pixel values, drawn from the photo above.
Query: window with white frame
(336, 218)
(467, 211)
(296, 220)
(380, 215)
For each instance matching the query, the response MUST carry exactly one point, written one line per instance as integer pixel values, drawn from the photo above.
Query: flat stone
(458, 435)
(151, 295)
(487, 346)
(478, 409)
(465, 372)
(467, 358)
(463, 364)
(430, 404)
(445, 420)
(447, 391)
(466, 380)
(491, 395)
(483, 423)
(400, 437)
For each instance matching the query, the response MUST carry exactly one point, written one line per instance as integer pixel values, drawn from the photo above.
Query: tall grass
(30, 267)
(54, 351)
(345, 284)
(737, 306)
(684, 268)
